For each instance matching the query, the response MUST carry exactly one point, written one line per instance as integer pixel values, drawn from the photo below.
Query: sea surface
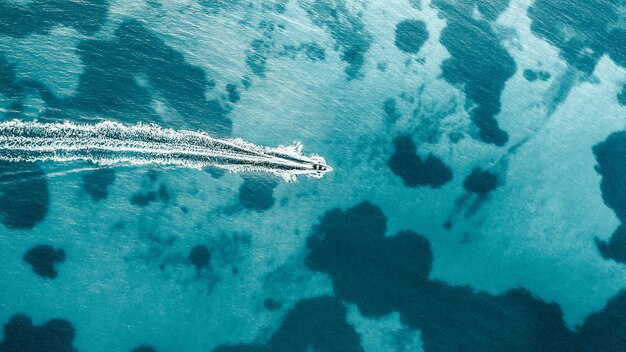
(477, 199)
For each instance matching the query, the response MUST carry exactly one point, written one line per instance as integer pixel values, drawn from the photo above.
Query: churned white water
(112, 143)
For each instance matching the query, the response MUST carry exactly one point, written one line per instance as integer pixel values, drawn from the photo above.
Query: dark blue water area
(317, 324)
(611, 157)
(256, 57)
(8, 80)
(264, 47)
(479, 64)
(54, 335)
(233, 93)
(200, 257)
(346, 28)
(96, 184)
(43, 259)
(145, 198)
(311, 50)
(24, 196)
(589, 22)
(382, 274)
(411, 35)
(272, 304)
(532, 75)
(109, 82)
(390, 110)
(415, 170)
(257, 192)
(40, 16)
(621, 97)
(481, 181)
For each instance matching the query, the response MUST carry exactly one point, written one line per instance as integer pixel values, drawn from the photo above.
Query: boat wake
(113, 143)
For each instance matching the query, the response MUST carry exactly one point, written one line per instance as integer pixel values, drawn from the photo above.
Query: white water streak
(112, 143)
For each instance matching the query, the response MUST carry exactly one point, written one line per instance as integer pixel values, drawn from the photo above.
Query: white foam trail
(112, 143)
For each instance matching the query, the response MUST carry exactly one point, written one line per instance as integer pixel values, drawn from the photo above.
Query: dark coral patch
(390, 110)
(8, 80)
(413, 170)
(411, 35)
(152, 175)
(532, 75)
(343, 241)
(272, 304)
(24, 197)
(233, 94)
(164, 194)
(611, 158)
(122, 75)
(200, 257)
(219, 5)
(55, 335)
(314, 324)
(347, 30)
(381, 274)
(97, 183)
(313, 51)
(479, 64)
(257, 192)
(367, 268)
(615, 247)
(491, 9)
(40, 16)
(621, 97)
(606, 330)
(143, 199)
(583, 31)
(42, 258)
(544, 75)
(256, 56)
(488, 10)
(481, 181)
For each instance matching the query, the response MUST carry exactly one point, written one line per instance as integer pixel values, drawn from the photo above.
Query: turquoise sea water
(476, 201)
